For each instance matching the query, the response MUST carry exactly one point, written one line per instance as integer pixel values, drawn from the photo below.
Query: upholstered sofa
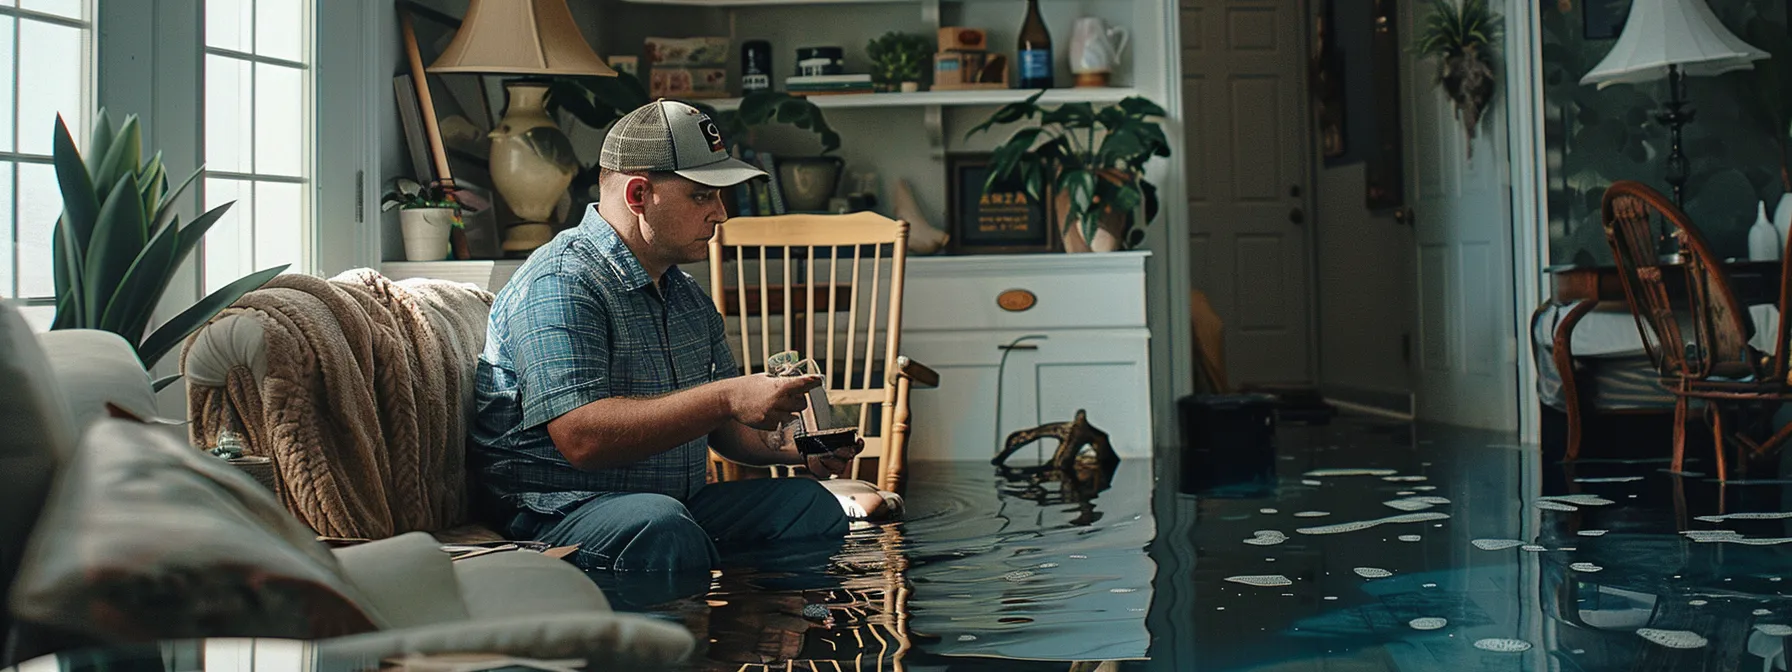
(113, 530)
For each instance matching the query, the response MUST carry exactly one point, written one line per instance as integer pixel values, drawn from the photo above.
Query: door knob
(1297, 216)
(1403, 216)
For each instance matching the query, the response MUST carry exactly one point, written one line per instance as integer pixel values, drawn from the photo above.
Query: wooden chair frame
(1738, 385)
(796, 238)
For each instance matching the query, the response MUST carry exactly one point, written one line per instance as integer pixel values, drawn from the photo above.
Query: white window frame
(80, 131)
(308, 161)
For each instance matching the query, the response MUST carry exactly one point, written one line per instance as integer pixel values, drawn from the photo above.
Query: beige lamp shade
(520, 37)
(1660, 33)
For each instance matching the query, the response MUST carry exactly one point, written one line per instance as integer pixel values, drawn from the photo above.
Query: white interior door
(1461, 205)
(1244, 96)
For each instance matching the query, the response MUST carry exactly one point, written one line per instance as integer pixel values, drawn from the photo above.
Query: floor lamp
(1673, 39)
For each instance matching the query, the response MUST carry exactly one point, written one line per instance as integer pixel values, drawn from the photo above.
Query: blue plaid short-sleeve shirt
(581, 321)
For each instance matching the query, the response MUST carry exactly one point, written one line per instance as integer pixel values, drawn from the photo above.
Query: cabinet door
(1104, 372)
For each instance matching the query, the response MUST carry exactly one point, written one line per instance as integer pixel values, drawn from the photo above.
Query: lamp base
(521, 239)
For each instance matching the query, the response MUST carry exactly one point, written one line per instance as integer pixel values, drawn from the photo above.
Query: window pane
(229, 24)
(229, 102)
(280, 29)
(229, 247)
(279, 120)
(279, 226)
(55, 80)
(6, 111)
(40, 204)
(74, 9)
(6, 255)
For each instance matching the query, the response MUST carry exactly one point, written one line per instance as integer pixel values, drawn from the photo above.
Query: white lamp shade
(1660, 33)
(520, 37)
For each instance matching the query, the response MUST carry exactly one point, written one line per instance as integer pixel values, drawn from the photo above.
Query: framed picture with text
(1002, 221)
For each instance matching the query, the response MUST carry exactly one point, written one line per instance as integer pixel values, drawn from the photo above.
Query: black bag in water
(1228, 444)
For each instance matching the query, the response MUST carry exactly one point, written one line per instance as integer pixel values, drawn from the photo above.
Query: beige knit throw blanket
(364, 405)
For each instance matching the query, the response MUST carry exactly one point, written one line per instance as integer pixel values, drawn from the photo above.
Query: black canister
(1228, 445)
(755, 66)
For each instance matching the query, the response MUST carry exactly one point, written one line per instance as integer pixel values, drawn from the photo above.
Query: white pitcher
(1095, 50)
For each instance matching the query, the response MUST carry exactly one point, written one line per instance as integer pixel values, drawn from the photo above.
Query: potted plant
(1091, 162)
(120, 242)
(1464, 39)
(898, 59)
(427, 215)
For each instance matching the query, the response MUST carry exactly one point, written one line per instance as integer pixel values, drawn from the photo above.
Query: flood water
(1592, 567)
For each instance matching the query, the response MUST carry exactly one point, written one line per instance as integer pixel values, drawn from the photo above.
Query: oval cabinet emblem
(1016, 300)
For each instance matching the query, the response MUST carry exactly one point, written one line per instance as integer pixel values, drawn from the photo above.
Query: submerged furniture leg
(1564, 360)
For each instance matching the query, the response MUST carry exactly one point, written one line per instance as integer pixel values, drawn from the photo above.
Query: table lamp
(1672, 39)
(532, 161)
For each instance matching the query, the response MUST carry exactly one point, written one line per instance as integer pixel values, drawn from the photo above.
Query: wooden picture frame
(1011, 224)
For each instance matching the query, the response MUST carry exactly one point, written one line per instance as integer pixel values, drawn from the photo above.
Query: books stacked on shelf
(759, 197)
(823, 85)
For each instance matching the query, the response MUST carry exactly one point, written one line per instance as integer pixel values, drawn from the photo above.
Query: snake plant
(120, 242)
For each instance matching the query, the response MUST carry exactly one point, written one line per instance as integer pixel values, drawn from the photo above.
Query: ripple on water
(1532, 548)
(1498, 645)
(1409, 537)
(1609, 479)
(1267, 512)
(1312, 514)
(1496, 544)
(1427, 623)
(1404, 479)
(1552, 505)
(1327, 473)
(1585, 567)
(1261, 580)
(1673, 639)
(1372, 572)
(1408, 504)
(1591, 533)
(1366, 524)
(1309, 481)
(1745, 516)
(1579, 500)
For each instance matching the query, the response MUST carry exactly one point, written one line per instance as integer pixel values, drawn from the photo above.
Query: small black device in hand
(827, 440)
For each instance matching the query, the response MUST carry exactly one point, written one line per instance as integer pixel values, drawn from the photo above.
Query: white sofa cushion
(406, 580)
(503, 585)
(94, 367)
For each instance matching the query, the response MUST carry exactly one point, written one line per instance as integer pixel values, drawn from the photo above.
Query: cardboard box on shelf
(969, 70)
(668, 82)
(687, 51)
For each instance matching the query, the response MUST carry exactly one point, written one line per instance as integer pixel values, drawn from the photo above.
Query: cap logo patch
(710, 132)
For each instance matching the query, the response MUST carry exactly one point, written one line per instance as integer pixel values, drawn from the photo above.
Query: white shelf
(954, 98)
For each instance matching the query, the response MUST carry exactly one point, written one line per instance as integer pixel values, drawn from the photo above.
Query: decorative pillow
(146, 538)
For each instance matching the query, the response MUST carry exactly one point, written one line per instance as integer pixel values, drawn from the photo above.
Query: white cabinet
(1089, 349)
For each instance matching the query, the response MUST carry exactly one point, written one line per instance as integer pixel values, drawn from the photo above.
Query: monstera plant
(120, 242)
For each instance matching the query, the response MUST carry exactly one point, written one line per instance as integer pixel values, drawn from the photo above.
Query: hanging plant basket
(1464, 39)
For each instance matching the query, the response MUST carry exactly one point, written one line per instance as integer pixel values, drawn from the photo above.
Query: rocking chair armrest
(919, 374)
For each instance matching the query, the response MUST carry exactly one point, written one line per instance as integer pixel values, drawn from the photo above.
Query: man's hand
(836, 463)
(765, 402)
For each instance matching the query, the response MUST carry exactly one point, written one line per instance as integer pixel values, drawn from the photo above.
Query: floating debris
(1579, 500)
(1533, 548)
(1429, 585)
(1697, 603)
(1266, 538)
(1409, 537)
(1366, 524)
(1497, 645)
(1552, 505)
(1325, 473)
(1405, 479)
(1568, 549)
(1312, 514)
(1686, 474)
(1262, 580)
(1018, 575)
(967, 638)
(1424, 488)
(1585, 567)
(1331, 598)
(1405, 493)
(1744, 516)
(1432, 499)
(1268, 512)
(1427, 623)
(1047, 565)
(1591, 533)
(1762, 612)
(1079, 557)
(1609, 479)
(1309, 481)
(1122, 591)
(1496, 544)
(1408, 504)
(1372, 572)
(1774, 629)
(1733, 537)
(1673, 639)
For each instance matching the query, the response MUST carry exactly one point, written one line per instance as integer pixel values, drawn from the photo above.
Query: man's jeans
(630, 531)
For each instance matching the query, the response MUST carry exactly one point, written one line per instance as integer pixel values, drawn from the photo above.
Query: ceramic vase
(809, 181)
(1764, 240)
(1095, 50)
(427, 232)
(532, 182)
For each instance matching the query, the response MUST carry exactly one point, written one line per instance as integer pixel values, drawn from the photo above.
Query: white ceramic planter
(426, 232)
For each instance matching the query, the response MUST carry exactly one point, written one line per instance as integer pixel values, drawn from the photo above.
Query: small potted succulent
(898, 59)
(427, 216)
(1090, 162)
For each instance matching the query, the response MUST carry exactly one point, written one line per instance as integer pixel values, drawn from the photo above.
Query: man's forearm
(753, 447)
(619, 430)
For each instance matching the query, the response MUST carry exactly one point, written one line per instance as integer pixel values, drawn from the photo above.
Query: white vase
(1764, 240)
(426, 232)
(1782, 217)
